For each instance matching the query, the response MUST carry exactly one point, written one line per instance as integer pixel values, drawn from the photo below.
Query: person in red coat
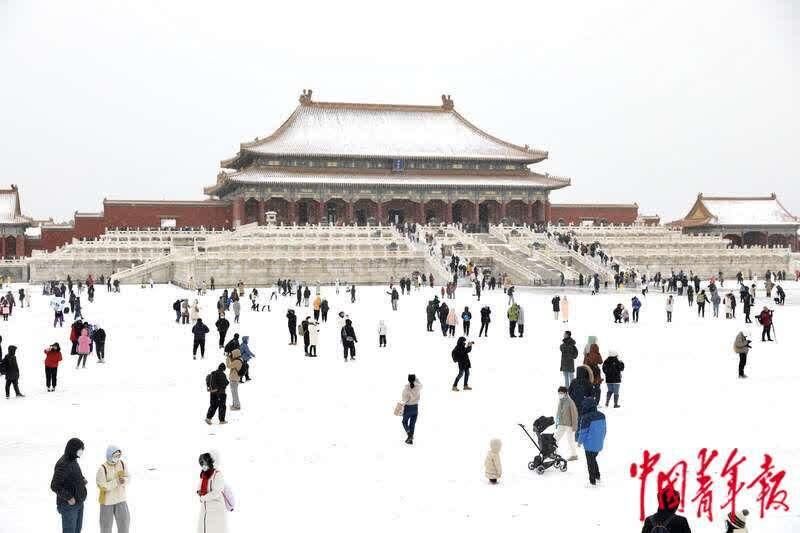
(765, 319)
(52, 356)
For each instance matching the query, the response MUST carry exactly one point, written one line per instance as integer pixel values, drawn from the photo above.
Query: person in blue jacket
(247, 354)
(636, 304)
(591, 434)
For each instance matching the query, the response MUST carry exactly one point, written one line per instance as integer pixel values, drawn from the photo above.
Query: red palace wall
(51, 239)
(210, 214)
(89, 226)
(577, 213)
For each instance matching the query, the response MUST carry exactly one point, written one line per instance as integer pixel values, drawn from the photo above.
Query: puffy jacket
(466, 316)
(52, 358)
(234, 364)
(199, 330)
(765, 318)
(741, 344)
(486, 314)
(108, 479)
(592, 426)
(513, 313)
(68, 481)
(567, 413)
(244, 348)
(569, 352)
(612, 368)
(580, 388)
(556, 301)
(84, 342)
(492, 465)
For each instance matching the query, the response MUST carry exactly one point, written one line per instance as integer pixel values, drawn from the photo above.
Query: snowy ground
(316, 446)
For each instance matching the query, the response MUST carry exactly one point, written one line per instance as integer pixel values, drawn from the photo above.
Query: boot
(208, 421)
(467, 387)
(455, 389)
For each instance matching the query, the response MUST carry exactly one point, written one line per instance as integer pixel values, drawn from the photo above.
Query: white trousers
(567, 430)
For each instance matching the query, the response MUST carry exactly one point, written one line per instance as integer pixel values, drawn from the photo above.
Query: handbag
(398, 409)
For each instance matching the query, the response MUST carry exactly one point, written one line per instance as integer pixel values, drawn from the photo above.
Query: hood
(495, 445)
(71, 449)
(588, 405)
(583, 372)
(348, 322)
(245, 339)
(668, 499)
(110, 451)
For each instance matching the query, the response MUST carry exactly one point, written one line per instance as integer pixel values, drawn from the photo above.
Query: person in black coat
(668, 501)
(430, 314)
(291, 321)
(11, 371)
(612, 368)
(461, 357)
(306, 334)
(217, 382)
(569, 352)
(199, 331)
(556, 302)
(581, 386)
(444, 310)
(222, 325)
(349, 340)
(99, 340)
(232, 344)
(485, 319)
(70, 486)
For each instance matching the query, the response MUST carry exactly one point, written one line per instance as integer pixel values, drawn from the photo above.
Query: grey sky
(635, 102)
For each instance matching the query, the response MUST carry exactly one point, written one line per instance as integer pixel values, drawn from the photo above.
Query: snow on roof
(747, 211)
(9, 207)
(401, 131)
(33, 232)
(266, 175)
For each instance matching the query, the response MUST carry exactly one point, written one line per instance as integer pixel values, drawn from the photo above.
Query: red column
(547, 211)
(320, 211)
(502, 210)
(238, 211)
(379, 211)
(350, 219)
(421, 212)
(477, 213)
(448, 212)
(261, 207)
(530, 213)
(21, 246)
(2, 246)
(291, 212)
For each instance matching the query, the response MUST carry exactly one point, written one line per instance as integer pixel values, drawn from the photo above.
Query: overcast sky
(635, 102)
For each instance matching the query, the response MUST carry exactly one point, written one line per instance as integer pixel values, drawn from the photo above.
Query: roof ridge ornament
(447, 102)
(305, 97)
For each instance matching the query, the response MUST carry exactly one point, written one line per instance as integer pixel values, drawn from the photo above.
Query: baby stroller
(548, 456)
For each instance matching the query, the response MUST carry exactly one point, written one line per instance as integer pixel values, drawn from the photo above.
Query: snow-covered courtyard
(316, 447)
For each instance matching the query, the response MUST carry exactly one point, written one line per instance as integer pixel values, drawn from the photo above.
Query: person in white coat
(382, 334)
(213, 518)
(112, 481)
(669, 306)
(194, 312)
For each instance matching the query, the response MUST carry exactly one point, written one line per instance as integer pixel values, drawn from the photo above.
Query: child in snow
(492, 465)
(736, 521)
(84, 347)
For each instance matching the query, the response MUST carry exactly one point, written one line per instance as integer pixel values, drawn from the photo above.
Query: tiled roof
(272, 176)
(746, 211)
(9, 207)
(394, 131)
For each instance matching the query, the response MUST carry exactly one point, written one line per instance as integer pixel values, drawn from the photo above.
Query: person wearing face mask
(212, 498)
(112, 481)
(70, 487)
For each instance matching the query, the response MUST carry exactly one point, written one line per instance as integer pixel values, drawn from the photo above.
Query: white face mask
(204, 468)
(79, 452)
(562, 395)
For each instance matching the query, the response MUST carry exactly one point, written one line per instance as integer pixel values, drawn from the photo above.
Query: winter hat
(737, 520)
(668, 499)
(612, 353)
(221, 367)
(411, 379)
(111, 450)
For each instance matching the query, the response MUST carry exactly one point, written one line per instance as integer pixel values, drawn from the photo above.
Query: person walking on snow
(247, 355)
(313, 337)
(486, 313)
(234, 363)
(381, 334)
(70, 487)
(84, 347)
(460, 356)
(199, 331)
(581, 387)
(395, 296)
(668, 307)
(556, 303)
(112, 481)
(520, 320)
(566, 421)
(349, 340)
(513, 316)
(216, 383)
(213, 518)
(636, 304)
(10, 368)
(612, 368)
(569, 352)
(492, 466)
(466, 319)
(291, 322)
(765, 319)
(410, 402)
(99, 340)
(222, 326)
(591, 434)
(52, 357)
(564, 309)
(742, 346)
(452, 321)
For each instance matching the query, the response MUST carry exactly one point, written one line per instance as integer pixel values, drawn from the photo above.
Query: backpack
(662, 527)
(208, 382)
(176, 306)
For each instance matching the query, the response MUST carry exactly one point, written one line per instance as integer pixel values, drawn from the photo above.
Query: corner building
(356, 163)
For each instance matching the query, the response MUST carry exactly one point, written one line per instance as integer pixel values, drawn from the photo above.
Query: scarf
(205, 479)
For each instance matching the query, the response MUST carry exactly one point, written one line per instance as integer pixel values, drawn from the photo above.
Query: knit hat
(737, 520)
(668, 499)
(111, 450)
